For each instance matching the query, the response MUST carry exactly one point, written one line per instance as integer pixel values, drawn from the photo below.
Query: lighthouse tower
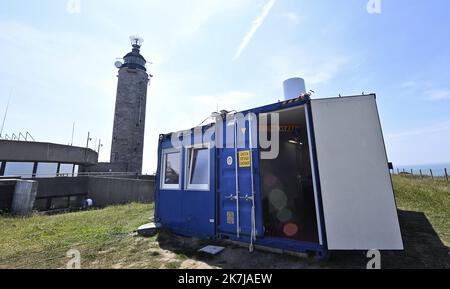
(127, 145)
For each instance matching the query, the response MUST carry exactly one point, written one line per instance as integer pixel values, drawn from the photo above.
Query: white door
(357, 195)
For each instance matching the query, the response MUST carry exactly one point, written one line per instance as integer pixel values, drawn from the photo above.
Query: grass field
(431, 197)
(105, 238)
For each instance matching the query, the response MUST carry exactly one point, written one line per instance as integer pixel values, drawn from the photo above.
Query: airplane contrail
(255, 26)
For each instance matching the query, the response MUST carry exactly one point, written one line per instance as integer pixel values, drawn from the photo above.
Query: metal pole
(421, 175)
(237, 176)
(99, 146)
(446, 174)
(431, 172)
(253, 217)
(412, 173)
(6, 113)
(88, 139)
(73, 131)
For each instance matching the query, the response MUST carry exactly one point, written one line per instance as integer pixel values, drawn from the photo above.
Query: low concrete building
(37, 159)
(64, 177)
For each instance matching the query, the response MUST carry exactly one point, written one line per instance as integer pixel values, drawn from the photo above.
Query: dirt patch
(423, 249)
(194, 264)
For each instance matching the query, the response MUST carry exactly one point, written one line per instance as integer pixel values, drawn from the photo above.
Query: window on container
(197, 168)
(66, 170)
(19, 169)
(171, 169)
(46, 170)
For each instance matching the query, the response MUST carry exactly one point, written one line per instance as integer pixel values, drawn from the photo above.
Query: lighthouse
(127, 145)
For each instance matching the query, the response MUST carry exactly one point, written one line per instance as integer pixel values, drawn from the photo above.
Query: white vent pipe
(294, 87)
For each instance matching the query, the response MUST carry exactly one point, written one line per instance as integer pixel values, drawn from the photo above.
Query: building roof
(23, 151)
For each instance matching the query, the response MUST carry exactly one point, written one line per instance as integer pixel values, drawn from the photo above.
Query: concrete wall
(22, 151)
(107, 191)
(104, 191)
(107, 167)
(24, 197)
(17, 196)
(60, 187)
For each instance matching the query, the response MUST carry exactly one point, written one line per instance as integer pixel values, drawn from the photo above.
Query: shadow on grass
(423, 249)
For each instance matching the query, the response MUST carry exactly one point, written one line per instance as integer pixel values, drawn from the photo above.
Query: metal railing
(423, 173)
(18, 137)
(80, 174)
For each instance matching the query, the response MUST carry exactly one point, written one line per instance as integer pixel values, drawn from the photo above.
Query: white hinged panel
(357, 196)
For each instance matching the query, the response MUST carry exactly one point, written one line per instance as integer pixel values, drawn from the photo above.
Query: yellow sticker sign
(244, 159)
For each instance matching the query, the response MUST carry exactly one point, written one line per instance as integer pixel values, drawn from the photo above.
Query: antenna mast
(73, 130)
(6, 113)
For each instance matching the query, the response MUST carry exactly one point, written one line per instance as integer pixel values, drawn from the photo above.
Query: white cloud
(438, 94)
(428, 89)
(316, 68)
(409, 84)
(422, 145)
(292, 17)
(431, 129)
(201, 11)
(255, 26)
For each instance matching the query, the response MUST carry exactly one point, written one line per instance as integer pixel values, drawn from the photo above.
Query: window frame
(39, 175)
(187, 171)
(163, 185)
(22, 174)
(68, 174)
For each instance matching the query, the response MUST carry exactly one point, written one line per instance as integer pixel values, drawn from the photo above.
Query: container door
(198, 208)
(240, 212)
(355, 185)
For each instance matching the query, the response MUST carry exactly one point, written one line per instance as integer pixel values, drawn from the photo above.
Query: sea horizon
(437, 168)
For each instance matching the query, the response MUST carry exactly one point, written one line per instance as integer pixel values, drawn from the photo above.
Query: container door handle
(231, 197)
(247, 198)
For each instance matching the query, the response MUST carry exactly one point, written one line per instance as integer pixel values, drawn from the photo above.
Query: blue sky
(233, 54)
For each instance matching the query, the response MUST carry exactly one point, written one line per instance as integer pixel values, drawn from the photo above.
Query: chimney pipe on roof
(293, 88)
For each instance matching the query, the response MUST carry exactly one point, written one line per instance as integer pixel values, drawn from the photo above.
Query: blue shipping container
(300, 175)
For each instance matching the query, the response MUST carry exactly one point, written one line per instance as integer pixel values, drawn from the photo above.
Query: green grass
(105, 237)
(431, 197)
(102, 236)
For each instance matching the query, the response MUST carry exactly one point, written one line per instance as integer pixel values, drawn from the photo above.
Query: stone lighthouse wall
(129, 119)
